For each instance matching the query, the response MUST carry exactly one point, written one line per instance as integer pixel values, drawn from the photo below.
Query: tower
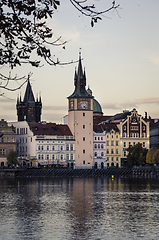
(80, 119)
(29, 110)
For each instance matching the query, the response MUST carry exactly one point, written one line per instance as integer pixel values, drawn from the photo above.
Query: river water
(79, 208)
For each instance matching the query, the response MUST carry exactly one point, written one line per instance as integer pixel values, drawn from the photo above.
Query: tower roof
(29, 96)
(80, 82)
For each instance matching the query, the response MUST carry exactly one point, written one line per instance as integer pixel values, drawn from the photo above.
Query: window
(67, 156)
(61, 157)
(42, 148)
(112, 143)
(117, 151)
(26, 148)
(53, 156)
(124, 144)
(117, 143)
(107, 151)
(47, 156)
(39, 156)
(83, 114)
(47, 148)
(83, 150)
(116, 136)
(71, 147)
(102, 154)
(95, 138)
(112, 136)
(129, 144)
(42, 156)
(95, 146)
(95, 154)
(143, 144)
(98, 138)
(107, 143)
(124, 135)
(124, 154)
(83, 126)
(143, 135)
(67, 147)
(17, 131)
(71, 156)
(98, 145)
(61, 148)
(101, 145)
(112, 159)
(107, 158)
(107, 136)
(26, 140)
(83, 138)
(117, 159)
(83, 161)
(112, 151)
(101, 138)
(26, 130)
(134, 144)
(2, 151)
(31, 139)
(53, 148)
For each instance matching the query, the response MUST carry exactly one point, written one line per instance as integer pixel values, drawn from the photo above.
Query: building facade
(45, 144)
(80, 119)
(7, 141)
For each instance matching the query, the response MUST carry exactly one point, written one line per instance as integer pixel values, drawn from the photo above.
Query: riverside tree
(25, 36)
(12, 158)
(152, 156)
(136, 155)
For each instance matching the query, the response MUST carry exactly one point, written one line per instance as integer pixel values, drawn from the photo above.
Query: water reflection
(79, 208)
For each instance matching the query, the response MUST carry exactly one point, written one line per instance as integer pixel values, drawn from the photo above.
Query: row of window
(54, 148)
(112, 136)
(98, 146)
(5, 130)
(134, 135)
(133, 144)
(98, 138)
(112, 159)
(101, 155)
(7, 139)
(55, 157)
(112, 151)
(113, 143)
(22, 131)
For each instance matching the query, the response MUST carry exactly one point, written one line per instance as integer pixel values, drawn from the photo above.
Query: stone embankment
(109, 172)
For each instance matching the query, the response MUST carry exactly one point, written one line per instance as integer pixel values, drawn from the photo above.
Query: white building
(44, 144)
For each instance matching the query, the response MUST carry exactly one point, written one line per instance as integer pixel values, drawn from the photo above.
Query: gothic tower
(29, 110)
(80, 119)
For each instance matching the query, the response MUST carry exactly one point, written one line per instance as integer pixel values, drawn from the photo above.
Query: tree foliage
(24, 30)
(12, 157)
(152, 156)
(136, 155)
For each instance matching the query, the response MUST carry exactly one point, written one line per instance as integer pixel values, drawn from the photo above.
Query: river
(79, 208)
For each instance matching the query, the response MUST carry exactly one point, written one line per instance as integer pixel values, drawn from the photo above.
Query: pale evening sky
(120, 55)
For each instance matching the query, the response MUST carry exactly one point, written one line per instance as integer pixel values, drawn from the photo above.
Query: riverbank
(108, 172)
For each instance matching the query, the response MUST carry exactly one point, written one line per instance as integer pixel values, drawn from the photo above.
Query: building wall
(80, 123)
(7, 141)
(113, 154)
(99, 149)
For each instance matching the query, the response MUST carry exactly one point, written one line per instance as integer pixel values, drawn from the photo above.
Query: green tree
(136, 155)
(12, 157)
(149, 156)
(156, 156)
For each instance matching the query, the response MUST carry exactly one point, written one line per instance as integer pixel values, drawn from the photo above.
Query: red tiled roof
(50, 129)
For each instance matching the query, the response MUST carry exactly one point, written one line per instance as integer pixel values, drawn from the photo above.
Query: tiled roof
(98, 119)
(50, 129)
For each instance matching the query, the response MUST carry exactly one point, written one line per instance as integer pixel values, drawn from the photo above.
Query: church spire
(80, 81)
(29, 96)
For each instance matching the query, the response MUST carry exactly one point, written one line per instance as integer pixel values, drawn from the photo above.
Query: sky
(120, 55)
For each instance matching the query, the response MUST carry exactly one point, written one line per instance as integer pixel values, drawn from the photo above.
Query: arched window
(101, 145)
(95, 154)
(67, 147)
(95, 145)
(53, 157)
(53, 148)
(102, 154)
(98, 145)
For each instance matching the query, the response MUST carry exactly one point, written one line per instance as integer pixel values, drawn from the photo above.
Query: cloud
(55, 108)
(110, 106)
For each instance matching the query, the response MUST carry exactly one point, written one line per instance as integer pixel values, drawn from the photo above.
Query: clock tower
(80, 119)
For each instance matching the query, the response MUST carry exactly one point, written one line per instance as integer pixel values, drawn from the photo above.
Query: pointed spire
(75, 78)
(18, 99)
(80, 81)
(28, 97)
(40, 97)
(37, 97)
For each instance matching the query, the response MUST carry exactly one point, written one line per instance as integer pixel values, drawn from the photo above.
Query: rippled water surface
(78, 209)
